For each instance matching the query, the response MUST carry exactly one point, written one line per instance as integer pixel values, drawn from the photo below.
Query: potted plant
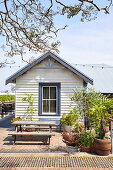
(72, 137)
(102, 142)
(72, 141)
(94, 107)
(69, 119)
(70, 133)
(100, 119)
(86, 140)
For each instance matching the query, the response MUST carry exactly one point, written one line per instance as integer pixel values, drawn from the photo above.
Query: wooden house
(51, 80)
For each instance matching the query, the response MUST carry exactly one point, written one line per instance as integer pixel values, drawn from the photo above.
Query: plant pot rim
(85, 146)
(97, 138)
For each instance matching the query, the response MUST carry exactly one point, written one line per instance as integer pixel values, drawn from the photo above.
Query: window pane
(46, 106)
(53, 106)
(52, 92)
(45, 92)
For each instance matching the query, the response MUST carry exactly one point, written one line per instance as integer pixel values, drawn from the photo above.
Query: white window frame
(50, 113)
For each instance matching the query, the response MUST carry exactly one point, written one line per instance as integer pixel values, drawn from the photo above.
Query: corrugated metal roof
(101, 74)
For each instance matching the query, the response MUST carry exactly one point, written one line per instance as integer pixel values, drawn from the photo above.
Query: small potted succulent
(72, 137)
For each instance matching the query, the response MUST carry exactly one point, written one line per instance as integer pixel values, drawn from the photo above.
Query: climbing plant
(30, 108)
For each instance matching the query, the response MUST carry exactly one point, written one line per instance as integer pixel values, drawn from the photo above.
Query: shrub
(78, 127)
(7, 97)
(70, 118)
(15, 119)
(92, 106)
(87, 138)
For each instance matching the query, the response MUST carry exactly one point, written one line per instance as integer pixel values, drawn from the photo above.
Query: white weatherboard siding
(29, 83)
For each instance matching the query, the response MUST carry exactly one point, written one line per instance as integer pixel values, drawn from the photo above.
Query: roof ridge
(58, 59)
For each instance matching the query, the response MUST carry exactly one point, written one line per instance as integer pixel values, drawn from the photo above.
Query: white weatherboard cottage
(51, 80)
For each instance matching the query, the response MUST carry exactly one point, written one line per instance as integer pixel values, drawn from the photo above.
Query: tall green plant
(30, 109)
(85, 99)
(100, 114)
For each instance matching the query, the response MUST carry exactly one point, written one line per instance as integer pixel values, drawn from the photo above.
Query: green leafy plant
(7, 97)
(86, 99)
(95, 108)
(30, 109)
(71, 137)
(70, 118)
(15, 119)
(78, 128)
(87, 138)
(100, 114)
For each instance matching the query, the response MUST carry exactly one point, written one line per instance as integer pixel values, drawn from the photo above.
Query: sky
(81, 43)
(89, 42)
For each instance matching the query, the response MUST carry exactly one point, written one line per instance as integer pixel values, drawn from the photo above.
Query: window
(49, 98)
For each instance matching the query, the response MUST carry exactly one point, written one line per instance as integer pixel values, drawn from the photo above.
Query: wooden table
(36, 123)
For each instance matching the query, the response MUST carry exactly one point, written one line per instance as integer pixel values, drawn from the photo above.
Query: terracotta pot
(92, 149)
(102, 147)
(85, 148)
(70, 138)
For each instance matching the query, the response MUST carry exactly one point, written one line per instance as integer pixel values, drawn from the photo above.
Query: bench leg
(16, 128)
(50, 128)
(14, 139)
(49, 139)
(20, 128)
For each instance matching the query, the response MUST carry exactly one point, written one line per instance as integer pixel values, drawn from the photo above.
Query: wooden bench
(14, 134)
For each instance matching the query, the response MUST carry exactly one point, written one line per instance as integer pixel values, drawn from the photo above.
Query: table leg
(39, 128)
(20, 128)
(16, 128)
(50, 128)
(49, 140)
(14, 139)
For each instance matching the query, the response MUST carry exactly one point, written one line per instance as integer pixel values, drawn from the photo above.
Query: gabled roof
(12, 78)
(101, 74)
